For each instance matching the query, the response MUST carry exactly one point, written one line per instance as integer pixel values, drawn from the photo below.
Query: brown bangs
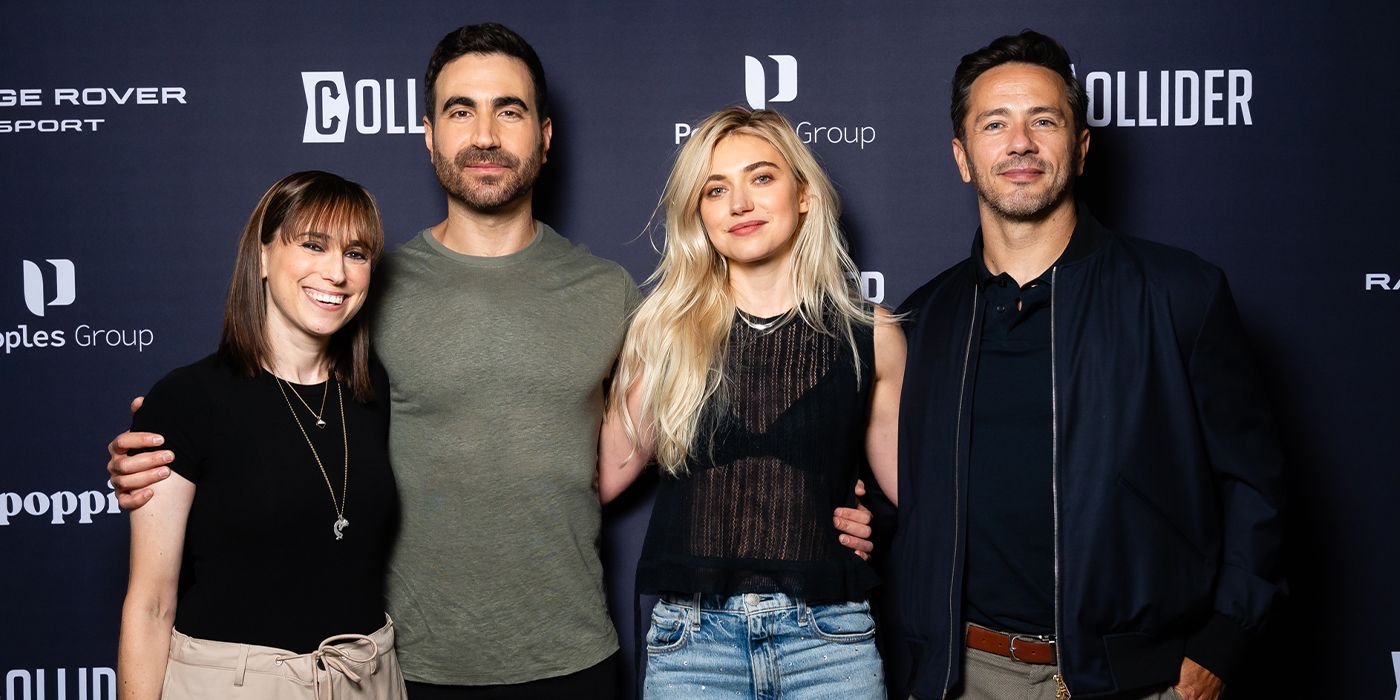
(352, 218)
(310, 201)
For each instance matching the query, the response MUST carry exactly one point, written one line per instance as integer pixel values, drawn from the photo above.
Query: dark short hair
(488, 38)
(1027, 47)
(310, 200)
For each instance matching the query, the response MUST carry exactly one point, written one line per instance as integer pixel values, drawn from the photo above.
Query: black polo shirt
(1009, 578)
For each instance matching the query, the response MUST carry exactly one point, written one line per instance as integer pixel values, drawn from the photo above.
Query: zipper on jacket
(953, 618)
(1055, 483)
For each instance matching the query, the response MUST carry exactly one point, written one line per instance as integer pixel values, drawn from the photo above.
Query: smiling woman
(760, 379)
(220, 578)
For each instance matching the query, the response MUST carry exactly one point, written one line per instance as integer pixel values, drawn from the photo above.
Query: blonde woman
(760, 381)
(257, 570)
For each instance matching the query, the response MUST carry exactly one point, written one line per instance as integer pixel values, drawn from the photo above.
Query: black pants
(599, 682)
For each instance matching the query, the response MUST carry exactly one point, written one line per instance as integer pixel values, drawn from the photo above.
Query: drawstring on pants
(329, 657)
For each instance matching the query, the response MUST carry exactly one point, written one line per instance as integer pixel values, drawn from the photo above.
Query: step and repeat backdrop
(135, 138)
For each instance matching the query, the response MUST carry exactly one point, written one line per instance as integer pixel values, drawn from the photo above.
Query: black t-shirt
(261, 564)
(1009, 582)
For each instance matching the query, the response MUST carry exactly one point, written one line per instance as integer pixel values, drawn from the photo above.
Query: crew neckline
(530, 250)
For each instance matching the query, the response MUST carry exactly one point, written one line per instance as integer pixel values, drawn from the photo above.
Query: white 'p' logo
(327, 106)
(65, 291)
(756, 83)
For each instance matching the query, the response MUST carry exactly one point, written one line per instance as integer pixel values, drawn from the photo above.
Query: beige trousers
(344, 667)
(991, 677)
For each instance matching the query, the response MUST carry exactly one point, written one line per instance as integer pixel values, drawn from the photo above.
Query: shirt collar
(1081, 242)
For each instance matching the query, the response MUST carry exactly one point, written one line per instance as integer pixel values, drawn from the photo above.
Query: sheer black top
(775, 456)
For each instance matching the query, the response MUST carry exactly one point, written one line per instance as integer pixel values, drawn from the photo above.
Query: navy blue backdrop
(135, 138)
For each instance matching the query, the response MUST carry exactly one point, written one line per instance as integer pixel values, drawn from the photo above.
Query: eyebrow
(1003, 111)
(748, 169)
(463, 101)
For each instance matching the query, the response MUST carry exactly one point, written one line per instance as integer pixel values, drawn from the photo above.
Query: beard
(1024, 205)
(492, 191)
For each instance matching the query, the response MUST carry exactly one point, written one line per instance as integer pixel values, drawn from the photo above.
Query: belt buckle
(1042, 638)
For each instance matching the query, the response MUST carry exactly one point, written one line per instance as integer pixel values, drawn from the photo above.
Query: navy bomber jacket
(1167, 478)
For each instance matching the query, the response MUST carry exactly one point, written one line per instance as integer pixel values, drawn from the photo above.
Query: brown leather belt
(1026, 648)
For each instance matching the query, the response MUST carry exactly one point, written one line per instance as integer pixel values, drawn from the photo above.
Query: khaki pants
(991, 677)
(350, 666)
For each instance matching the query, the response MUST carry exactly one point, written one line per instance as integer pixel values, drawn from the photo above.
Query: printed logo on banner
(40, 683)
(17, 113)
(373, 106)
(327, 107)
(34, 285)
(1383, 282)
(58, 507)
(872, 286)
(756, 81)
(1395, 661)
(810, 132)
(65, 291)
(1212, 97)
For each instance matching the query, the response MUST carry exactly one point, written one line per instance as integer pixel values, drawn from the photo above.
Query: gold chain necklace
(320, 423)
(339, 505)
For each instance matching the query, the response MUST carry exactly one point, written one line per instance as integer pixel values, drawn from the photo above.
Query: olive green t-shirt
(497, 368)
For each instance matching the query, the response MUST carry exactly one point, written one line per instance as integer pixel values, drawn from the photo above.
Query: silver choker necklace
(758, 325)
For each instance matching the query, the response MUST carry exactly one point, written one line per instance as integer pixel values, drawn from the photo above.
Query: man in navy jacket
(1089, 478)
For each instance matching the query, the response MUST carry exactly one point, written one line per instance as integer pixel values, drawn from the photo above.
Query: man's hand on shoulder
(132, 475)
(1197, 682)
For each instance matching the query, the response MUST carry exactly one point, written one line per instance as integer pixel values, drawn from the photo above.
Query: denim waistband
(745, 603)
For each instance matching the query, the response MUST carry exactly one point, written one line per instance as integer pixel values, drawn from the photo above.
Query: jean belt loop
(695, 614)
(242, 666)
(802, 612)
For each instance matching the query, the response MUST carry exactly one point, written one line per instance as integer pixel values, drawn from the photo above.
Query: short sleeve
(632, 295)
(176, 408)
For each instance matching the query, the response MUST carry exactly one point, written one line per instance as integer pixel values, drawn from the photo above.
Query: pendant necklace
(338, 504)
(326, 389)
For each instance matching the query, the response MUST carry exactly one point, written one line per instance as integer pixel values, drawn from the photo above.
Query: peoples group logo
(872, 286)
(373, 106)
(756, 93)
(34, 285)
(64, 286)
(756, 81)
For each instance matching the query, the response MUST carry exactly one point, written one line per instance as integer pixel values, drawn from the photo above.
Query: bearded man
(1089, 477)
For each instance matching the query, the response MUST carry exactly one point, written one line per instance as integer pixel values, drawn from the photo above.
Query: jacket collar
(1088, 236)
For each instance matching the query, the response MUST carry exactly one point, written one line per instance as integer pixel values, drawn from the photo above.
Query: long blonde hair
(676, 346)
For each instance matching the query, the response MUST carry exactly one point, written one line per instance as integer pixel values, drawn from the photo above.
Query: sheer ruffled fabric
(779, 452)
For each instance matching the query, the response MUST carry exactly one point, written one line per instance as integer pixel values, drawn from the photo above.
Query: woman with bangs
(760, 381)
(270, 591)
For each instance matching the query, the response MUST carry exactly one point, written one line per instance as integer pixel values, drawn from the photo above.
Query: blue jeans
(762, 646)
